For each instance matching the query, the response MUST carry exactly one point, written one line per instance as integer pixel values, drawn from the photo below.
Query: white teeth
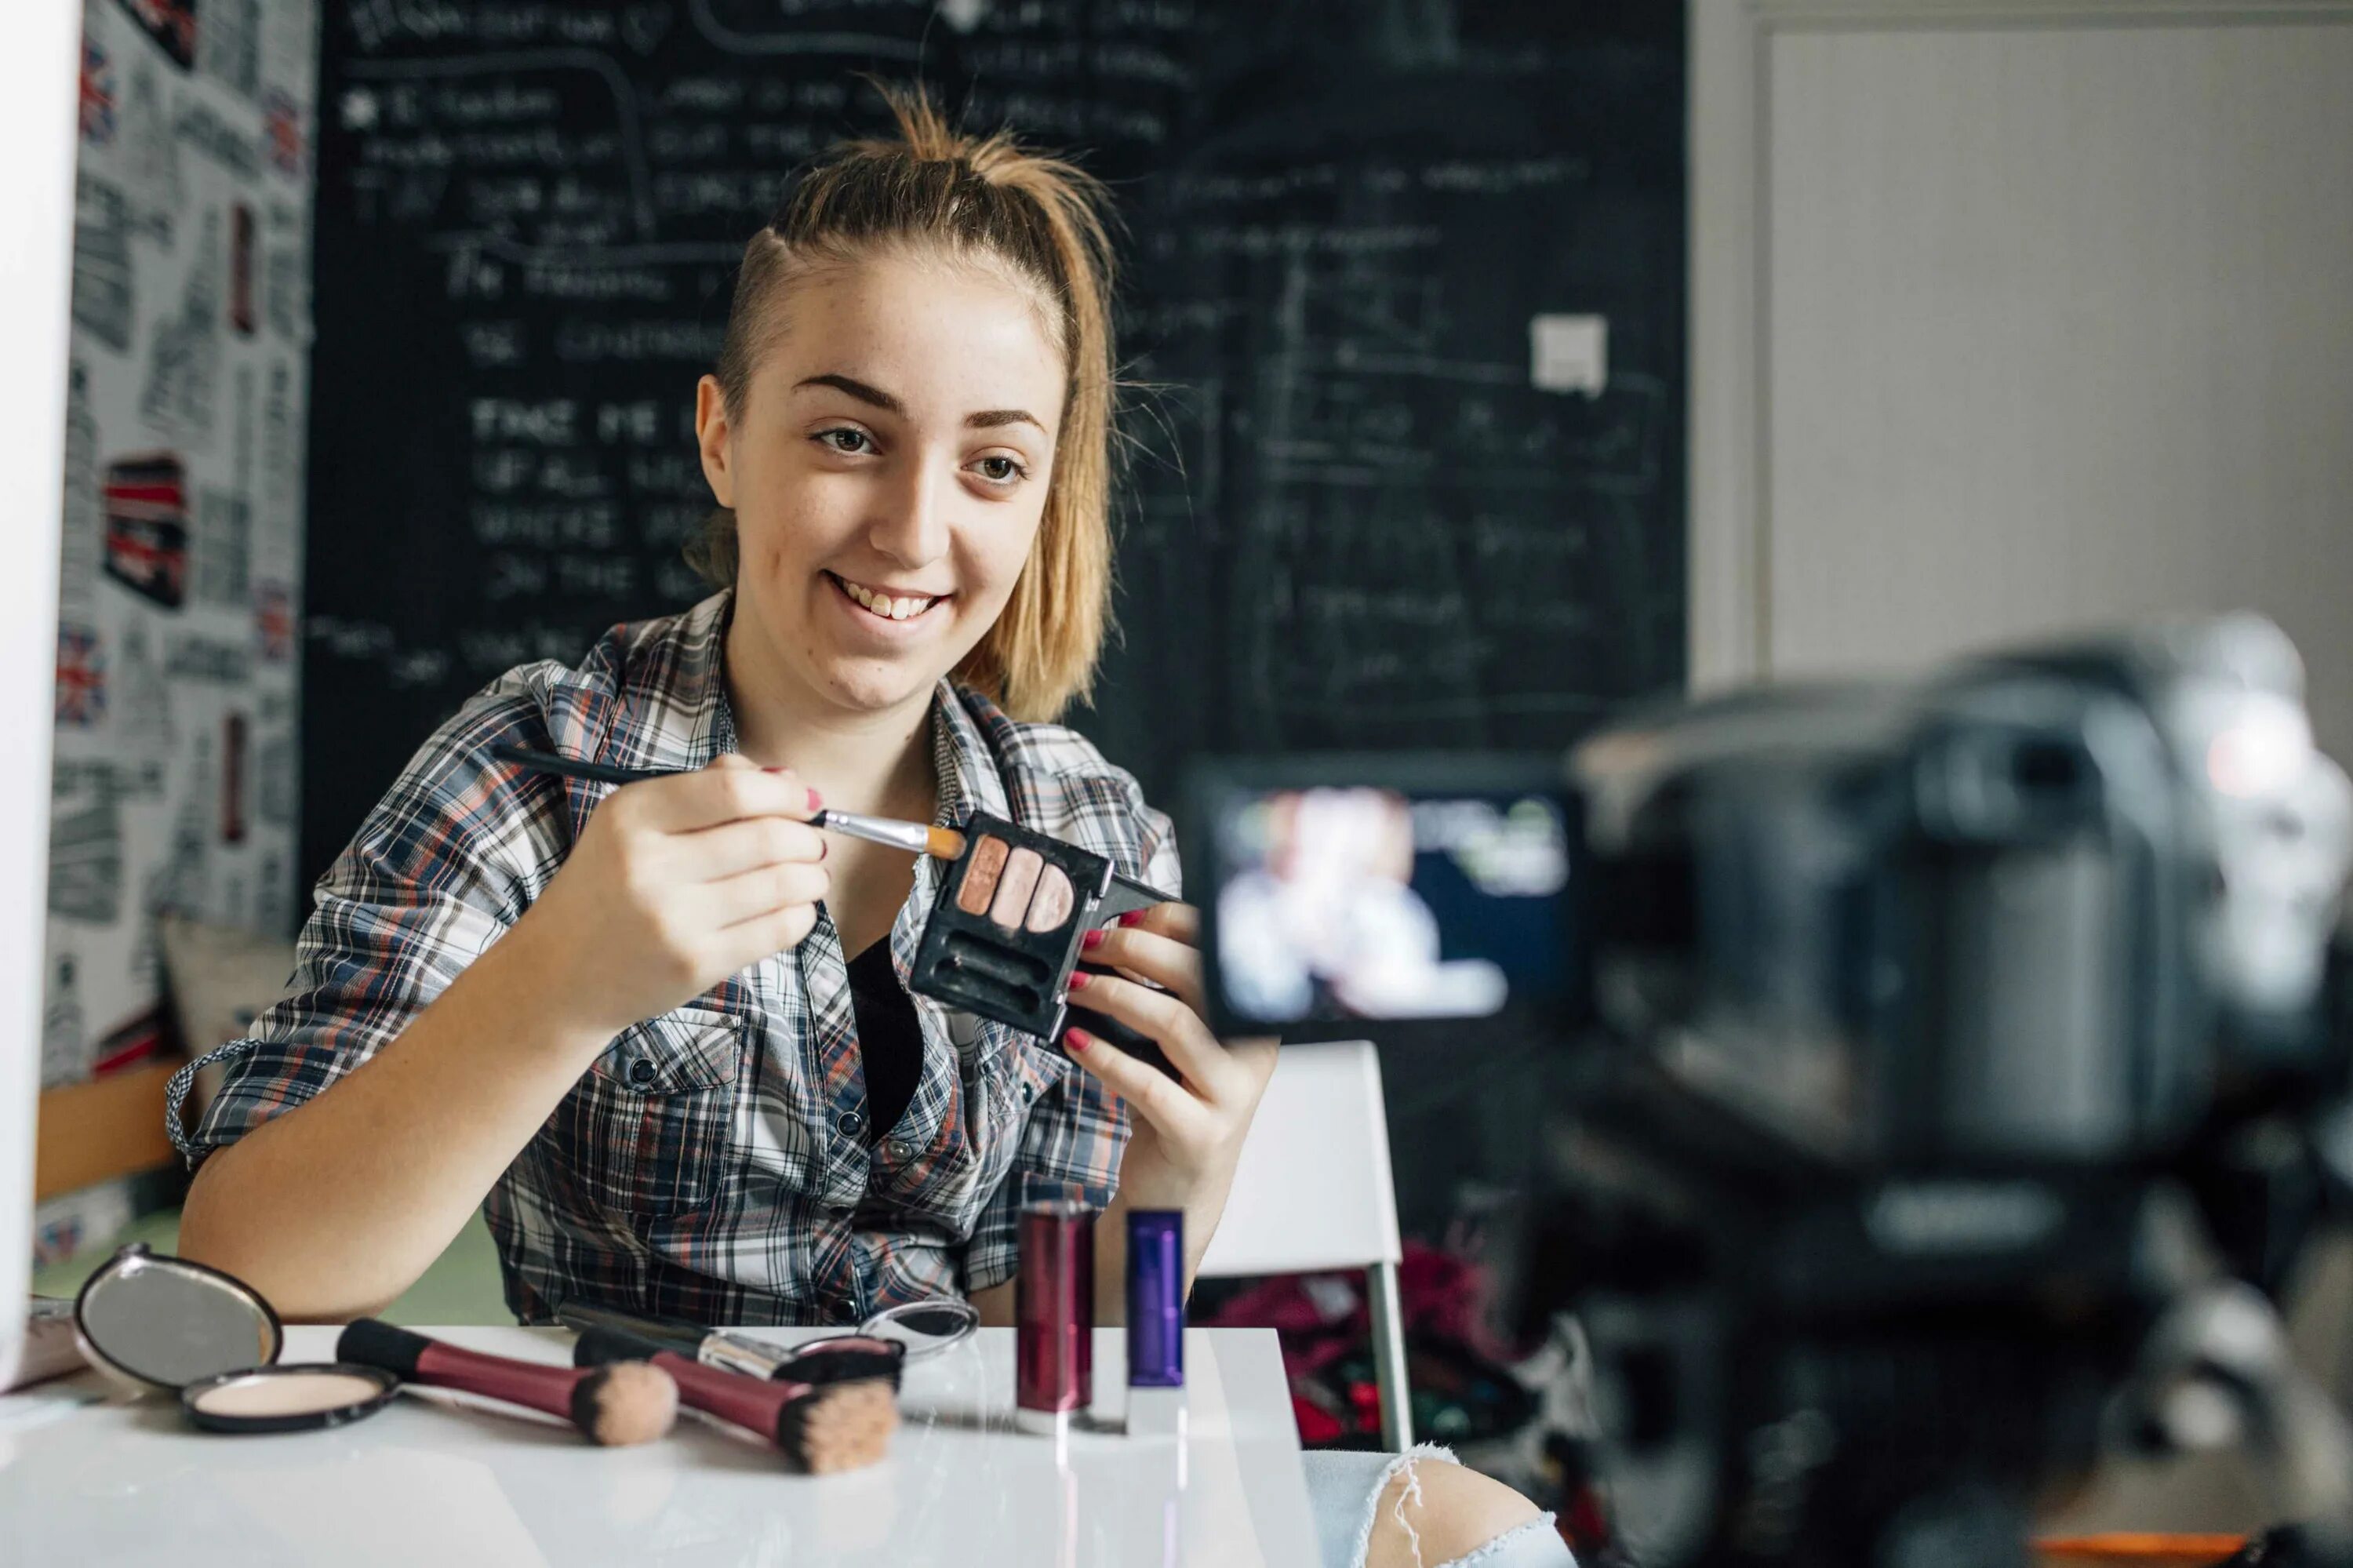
(882, 604)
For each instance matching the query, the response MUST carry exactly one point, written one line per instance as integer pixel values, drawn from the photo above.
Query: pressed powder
(1053, 901)
(980, 876)
(1020, 880)
(287, 1393)
(288, 1398)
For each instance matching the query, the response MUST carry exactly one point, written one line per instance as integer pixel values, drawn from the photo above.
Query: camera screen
(1340, 902)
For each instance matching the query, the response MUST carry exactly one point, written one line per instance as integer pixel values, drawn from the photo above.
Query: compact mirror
(167, 1323)
(925, 1328)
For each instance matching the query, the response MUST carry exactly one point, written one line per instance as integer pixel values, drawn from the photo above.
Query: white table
(431, 1482)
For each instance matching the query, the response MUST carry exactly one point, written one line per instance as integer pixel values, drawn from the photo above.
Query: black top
(889, 1037)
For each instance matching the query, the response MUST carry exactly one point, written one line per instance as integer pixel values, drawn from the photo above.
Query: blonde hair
(987, 201)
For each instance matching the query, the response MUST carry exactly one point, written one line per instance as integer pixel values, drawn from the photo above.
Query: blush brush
(613, 1406)
(820, 1428)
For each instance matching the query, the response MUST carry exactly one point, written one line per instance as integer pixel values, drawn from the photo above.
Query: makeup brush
(942, 844)
(614, 1406)
(836, 1358)
(837, 1426)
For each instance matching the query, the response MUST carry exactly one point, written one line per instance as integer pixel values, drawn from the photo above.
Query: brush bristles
(946, 843)
(842, 1426)
(626, 1403)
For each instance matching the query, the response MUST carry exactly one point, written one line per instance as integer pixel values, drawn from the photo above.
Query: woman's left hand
(1185, 1133)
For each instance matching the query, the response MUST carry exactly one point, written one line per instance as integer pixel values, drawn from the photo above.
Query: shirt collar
(673, 709)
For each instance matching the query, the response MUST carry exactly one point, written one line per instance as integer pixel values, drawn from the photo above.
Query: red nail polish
(774, 770)
(817, 802)
(1080, 979)
(1133, 917)
(1091, 941)
(1077, 1040)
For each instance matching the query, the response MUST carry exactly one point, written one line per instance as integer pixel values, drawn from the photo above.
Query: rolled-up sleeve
(428, 884)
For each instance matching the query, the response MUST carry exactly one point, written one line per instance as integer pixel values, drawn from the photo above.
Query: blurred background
(1495, 364)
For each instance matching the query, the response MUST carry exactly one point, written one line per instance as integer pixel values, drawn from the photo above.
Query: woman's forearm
(334, 1208)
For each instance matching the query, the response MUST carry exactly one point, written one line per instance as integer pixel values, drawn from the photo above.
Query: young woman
(662, 1035)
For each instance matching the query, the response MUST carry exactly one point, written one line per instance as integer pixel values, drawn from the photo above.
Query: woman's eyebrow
(986, 419)
(874, 395)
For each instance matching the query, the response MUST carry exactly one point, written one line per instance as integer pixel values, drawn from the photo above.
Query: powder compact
(288, 1398)
(1003, 937)
(167, 1323)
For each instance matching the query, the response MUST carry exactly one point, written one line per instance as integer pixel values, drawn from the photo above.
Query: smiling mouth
(883, 606)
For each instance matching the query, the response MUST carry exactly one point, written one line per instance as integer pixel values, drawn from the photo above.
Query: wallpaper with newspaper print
(180, 581)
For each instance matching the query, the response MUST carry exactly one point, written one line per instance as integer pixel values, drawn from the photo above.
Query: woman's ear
(712, 434)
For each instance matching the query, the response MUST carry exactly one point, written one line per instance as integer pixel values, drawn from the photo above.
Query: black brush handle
(686, 1338)
(532, 761)
(372, 1342)
(604, 1345)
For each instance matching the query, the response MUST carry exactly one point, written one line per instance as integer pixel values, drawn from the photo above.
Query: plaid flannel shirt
(710, 1164)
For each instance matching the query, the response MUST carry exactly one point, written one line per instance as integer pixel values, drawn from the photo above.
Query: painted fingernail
(1133, 917)
(1077, 1039)
(1081, 979)
(817, 802)
(1091, 941)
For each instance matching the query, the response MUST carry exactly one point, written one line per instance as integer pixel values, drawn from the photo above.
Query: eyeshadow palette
(1003, 937)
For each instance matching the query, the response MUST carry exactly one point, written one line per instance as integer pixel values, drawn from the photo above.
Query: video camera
(1952, 1069)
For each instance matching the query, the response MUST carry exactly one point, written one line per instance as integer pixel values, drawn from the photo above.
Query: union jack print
(81, 676)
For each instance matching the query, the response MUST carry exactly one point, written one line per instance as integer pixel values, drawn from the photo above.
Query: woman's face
(887, 471)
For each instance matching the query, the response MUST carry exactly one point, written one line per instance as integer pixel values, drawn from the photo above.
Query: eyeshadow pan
(1053, 902)
(1013, 891)
(980, 877)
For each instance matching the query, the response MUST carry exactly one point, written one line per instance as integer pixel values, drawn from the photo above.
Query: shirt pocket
(648, 1128)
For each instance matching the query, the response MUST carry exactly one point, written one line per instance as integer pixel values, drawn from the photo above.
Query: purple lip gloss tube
(1155, 1322)
(1054, 1317)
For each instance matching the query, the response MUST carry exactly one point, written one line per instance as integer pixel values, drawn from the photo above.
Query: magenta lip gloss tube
(1054, 1317)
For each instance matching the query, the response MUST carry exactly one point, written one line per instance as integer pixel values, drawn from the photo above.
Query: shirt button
(851, 1124)
(641, 1071)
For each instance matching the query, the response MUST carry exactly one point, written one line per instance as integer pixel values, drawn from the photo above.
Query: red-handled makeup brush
(615, 1405)
(821, 1429)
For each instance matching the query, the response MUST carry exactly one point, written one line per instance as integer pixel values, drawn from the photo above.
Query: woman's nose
(912, 528)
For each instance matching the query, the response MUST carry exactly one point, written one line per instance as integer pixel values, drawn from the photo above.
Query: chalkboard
(1403, 300)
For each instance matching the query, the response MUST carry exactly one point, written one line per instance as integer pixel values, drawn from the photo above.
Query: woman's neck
(878, 762)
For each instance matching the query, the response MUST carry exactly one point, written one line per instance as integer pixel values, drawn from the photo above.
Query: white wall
(2009, 318)
(37, 124)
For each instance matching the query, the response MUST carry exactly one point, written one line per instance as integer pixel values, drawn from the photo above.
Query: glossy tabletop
(90, 1475)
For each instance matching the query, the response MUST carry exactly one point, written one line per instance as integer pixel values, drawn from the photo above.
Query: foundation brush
(820, 1428)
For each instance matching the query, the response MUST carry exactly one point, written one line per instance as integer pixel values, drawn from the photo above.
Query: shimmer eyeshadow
(1013, 891)
(1055, 900)
(1003, 940)
(980, 876)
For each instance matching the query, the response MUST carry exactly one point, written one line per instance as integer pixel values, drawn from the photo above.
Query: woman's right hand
(675, 885)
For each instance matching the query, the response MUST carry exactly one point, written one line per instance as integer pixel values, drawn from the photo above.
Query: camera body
(1927, 1045)
(2047, 909)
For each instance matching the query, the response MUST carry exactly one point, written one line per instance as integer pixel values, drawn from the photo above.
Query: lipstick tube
(1054, 1317)
(1155, 1322)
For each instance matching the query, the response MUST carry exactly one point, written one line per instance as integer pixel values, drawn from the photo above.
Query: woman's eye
(1001, 469)
(845, 439)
